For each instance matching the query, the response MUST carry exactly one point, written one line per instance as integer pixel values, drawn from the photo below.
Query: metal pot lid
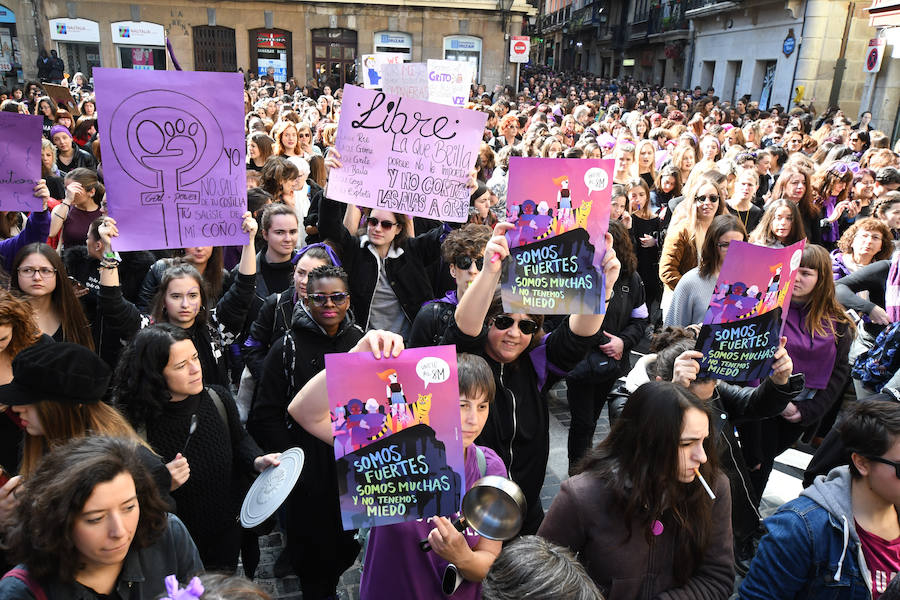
(492, 508)
(272, 488)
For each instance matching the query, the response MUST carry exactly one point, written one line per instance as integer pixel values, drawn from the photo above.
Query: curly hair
(74, 323)
(19, 315)
(468, 240)
(868, 224)
(139, 387)
(40, 529)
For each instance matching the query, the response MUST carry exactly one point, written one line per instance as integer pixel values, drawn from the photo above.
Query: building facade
(311, 41)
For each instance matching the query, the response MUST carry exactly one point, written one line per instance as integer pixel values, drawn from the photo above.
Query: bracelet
(611, 294)
(109, 264)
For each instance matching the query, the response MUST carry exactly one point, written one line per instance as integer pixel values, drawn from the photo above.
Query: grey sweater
(690, 300)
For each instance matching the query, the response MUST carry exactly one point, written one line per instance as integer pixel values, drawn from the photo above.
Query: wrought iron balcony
(702, 8)
(667, 16)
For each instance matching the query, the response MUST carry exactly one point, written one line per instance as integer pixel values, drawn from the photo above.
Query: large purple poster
(20, 161)
(742, 327)
(173, 157)
(560, 207)
(406, 156)
(397, 435)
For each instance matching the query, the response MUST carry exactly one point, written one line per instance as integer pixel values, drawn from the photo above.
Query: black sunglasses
(885, 461)
(504, 322)
(712, 199)
(322, 299)
(384, 224)
(465, 262)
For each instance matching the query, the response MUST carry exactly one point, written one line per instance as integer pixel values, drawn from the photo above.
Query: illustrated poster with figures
(742, 327)
(397, 435)
(560, 208)
(174, 163)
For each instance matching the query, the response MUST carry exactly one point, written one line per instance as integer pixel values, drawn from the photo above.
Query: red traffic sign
(874, 54)
(519, 48)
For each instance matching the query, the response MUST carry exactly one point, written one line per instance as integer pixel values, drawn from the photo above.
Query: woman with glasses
(838, 539)
(387, 266)
(39, 274)
(859, 143)
(685, 239)
(319, 550)
(866, 241)
(521, 358)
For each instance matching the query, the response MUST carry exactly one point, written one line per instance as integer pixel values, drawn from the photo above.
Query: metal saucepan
(494, 507)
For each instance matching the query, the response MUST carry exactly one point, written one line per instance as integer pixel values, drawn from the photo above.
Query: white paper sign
(449, 81)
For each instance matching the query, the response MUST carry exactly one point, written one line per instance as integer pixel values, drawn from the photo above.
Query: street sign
(874, 54)
(519, 48)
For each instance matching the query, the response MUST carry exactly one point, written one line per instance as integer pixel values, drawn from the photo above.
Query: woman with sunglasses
(859, 143)
(387, 267)
(319, 550)
(518, 426)
(838, 539)
(305, 146)
(684, 240)
(463, 252)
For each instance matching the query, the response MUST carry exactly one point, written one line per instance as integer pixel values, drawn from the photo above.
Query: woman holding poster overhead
(819, 334)
(388, 279)
(394, 565)
(521, 359)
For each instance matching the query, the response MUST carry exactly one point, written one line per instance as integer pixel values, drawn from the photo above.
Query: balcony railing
(666, 17)
(709, 5)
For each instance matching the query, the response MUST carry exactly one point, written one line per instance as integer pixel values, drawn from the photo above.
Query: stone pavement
(784, 485)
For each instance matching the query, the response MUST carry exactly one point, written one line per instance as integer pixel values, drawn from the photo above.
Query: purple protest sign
(20, 161)
(406, 156)
(173, 157)
(397, 435)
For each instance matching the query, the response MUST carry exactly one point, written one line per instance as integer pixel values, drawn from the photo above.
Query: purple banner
(397, 437)
(742, 327)
(173, 157)
(20, 161)
(406, 156)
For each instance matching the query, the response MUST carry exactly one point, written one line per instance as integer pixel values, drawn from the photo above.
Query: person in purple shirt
(394, 565)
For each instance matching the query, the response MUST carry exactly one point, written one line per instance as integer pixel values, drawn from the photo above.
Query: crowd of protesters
(142, 391)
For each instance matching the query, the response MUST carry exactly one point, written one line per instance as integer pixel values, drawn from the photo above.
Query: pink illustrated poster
(397, 435)
(560, 207)
(742, 328)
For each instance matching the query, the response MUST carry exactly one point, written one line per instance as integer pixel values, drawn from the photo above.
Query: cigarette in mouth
(705, 485)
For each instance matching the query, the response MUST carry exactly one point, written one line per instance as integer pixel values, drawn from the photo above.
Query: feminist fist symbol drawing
(171, 142)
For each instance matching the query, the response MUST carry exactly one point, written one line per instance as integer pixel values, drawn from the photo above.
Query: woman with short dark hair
(90, 524)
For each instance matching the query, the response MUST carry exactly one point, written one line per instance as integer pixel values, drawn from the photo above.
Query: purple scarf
(831, 232)
(892, 290)
(812, 355)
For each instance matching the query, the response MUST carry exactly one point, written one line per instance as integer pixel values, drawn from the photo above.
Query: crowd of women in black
(142, 391)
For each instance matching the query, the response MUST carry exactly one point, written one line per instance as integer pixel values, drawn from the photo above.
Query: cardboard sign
(173, 157)
(406, 156)
(742, 327)
(372, 64)
(560, 207)
(449, 81)
(20, 161)
(407, 80)
(61, 95)
(397, 435)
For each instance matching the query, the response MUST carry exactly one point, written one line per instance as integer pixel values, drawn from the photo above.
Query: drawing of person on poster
(742, 327)
(560, 208)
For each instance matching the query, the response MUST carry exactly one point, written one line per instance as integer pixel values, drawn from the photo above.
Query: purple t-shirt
(396, 569)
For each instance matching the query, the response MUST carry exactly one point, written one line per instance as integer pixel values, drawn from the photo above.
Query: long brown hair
(19, 315)
(825, 313)
(64, 421)
(710, 259)
(74, 323)
(763, 234)
(807, 207)
(639, 461)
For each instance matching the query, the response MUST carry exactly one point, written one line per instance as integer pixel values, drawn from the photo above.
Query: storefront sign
(74, 30)
(138, 33)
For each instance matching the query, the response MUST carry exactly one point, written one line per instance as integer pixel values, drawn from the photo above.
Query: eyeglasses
(504, 322)
(885, 461)
(465, 262)
(710, 199)
(304, 135)
(384, 224)
(322, 299)
(43, 272)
